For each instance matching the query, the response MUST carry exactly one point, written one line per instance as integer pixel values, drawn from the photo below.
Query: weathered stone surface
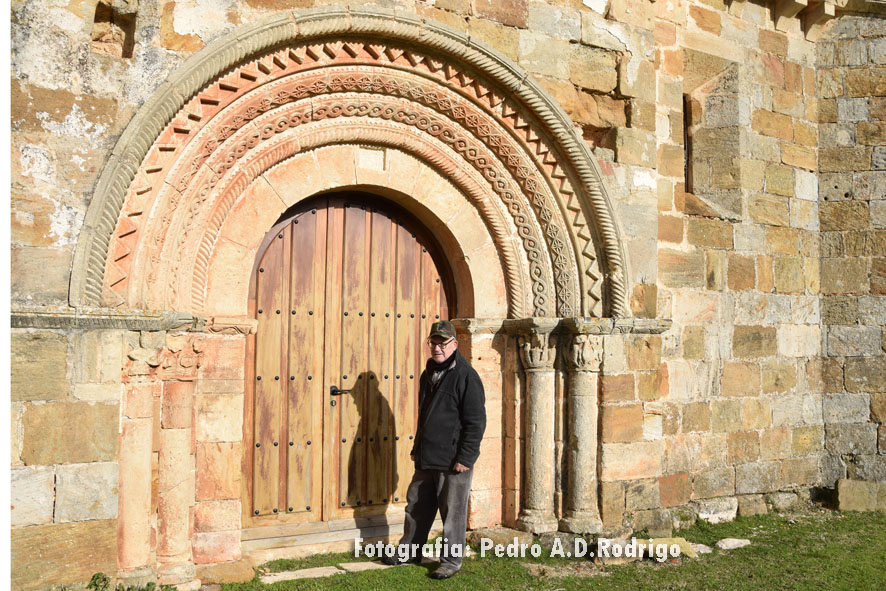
(681, 269)
(868, 467)
(850, 438)
(865, 374)
(753, 341)
(612, 504)
(305, 573)
(717, 482)
(757, 477)
(62, 554)
(86, 491)
(716, 510)
(674, 490)
(857, 495)
(845, 408)
(47, 440)
(514, 13)
(657, 522)
(226, 572)
(38, 364)
(591, 68)
(642, 494)
(711, 233)
(218, 471)
(32, 496)
(854, 341)
(622, 424)
(217, 546)
(219, 417)
(806, 440)
(219, 515)
(752, 505)
(631, 461)
(740, 379)
(732, 543)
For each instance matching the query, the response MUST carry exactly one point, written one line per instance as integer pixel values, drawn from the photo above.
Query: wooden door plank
(246, 464)
(332, 358)
(381, 342)
(319, 392)
(304, 392)
(352, 449)
(268, 387)
(406, 352)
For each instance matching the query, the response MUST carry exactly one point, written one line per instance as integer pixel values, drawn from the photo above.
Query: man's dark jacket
(452, 427)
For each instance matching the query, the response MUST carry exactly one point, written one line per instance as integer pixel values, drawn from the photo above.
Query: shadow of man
(372, 469)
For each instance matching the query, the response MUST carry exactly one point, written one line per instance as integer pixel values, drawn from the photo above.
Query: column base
(581, 522)
(536, 521)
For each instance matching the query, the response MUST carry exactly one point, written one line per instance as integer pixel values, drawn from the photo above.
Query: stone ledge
(104, 318)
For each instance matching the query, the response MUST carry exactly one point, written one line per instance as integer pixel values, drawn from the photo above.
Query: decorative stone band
(569, 157)
(103, 319)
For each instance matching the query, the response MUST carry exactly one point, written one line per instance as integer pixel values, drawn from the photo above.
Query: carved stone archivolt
(225, 117)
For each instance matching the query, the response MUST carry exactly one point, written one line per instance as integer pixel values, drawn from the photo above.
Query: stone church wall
(763, 240)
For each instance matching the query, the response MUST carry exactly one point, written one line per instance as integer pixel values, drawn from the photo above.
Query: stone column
(537, 343)
(583, 355)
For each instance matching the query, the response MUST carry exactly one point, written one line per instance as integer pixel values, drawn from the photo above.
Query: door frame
(324, 518)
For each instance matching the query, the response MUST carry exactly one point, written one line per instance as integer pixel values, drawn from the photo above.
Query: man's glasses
(440, 346)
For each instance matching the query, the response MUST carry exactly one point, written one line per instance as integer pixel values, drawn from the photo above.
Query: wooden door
(345, 290)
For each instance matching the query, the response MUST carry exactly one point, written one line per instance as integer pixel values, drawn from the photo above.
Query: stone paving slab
(358, 567)
(305, 573)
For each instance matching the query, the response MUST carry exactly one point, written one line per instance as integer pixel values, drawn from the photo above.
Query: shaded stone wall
(852, 156)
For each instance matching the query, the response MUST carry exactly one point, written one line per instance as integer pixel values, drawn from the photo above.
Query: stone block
(643, 352)
(800, 472)
(641, 494)
(753, 341)
(219, 417)
(857, 495)
(870, 467)
(32, 495)
(591, 68)
(878, 276)
(854, 341)
(221, 515)
(865, 374)
(878, 407)
(223, 358)
(715, 263)
(681, 269)
(869, 186)
(844, 215)
(48, 438)
(772, 124)
(696, 416)
(540, 54)
(807, 440)
(755, 414)
(766, 208)
(843, 275)
(799, 340)
(741, 272)
(716, 510)
(775, 443)
(656, 522)
(621, 424)
(51, 282)
(725, 415)
(789, 275)
(715, 482)
(740, 379)
(778, 376)
(674, 490)
(218, 471)
(631, 461)
(513, 13)
(709, 233)
(651, 385)
(502, 39)
(238, 571)
(220, 546)
(86, 491)
(845, 408)
(749, 505)
(636, 147)
(852, 109)
(780, 241)
(744, 446)
(850, 438)
(612, 503)
(617, 388)
(177, 405)
(757, 477)
(844, 159)
(62, 554)
(38, 363)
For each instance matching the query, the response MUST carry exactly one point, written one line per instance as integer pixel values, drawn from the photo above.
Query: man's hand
(460, 467)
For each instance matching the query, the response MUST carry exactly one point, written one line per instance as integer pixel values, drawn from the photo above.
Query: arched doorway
(344, 289)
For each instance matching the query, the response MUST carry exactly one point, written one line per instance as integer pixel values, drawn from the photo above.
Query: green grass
(804, 551)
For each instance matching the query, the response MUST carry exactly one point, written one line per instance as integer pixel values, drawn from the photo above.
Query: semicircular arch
(337, 60)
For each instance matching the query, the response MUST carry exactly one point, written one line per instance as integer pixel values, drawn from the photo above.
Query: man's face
(441, 348)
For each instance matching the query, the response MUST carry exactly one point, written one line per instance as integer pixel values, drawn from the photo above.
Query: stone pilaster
(538, 349)
(583, 355)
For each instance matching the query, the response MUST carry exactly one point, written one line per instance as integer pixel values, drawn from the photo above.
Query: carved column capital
(536, 340)
(584, 353)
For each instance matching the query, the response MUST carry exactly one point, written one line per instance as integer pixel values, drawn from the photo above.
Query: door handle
(335, 391)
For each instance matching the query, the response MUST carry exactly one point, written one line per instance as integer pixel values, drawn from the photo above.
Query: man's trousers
(447, 491)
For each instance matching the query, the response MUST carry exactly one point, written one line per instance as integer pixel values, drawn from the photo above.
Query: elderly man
(451, 421)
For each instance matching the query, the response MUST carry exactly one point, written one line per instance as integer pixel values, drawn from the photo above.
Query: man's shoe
(444, 571)
(395, 560)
